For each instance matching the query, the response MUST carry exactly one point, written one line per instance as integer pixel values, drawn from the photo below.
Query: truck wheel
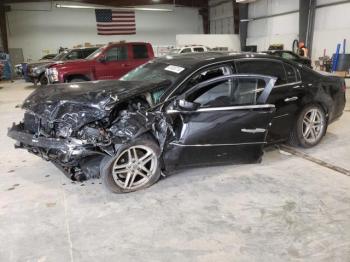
(135, 166)
(310, 127)
(43, 80)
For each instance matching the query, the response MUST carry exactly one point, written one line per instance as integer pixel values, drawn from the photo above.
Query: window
(140, 51)
(87, 52)
(263, 67)
(288, 56)
(291, 73)
(227, 93)
(209, 74)
(198, 49)
(117, 53)
(186, 50)
(73, 55)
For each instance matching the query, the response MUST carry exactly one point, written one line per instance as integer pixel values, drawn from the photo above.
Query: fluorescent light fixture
(246, 20)
(116, 8)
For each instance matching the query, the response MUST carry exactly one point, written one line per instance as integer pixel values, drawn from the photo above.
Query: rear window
(263, 67)
(140, 51)
(198, 49)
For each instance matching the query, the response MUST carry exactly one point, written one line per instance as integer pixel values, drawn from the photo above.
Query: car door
(228, 124)
(140, 55)
(286, 94)
(113, 63)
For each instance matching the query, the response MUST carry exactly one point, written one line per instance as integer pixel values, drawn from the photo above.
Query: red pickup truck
(108, 62)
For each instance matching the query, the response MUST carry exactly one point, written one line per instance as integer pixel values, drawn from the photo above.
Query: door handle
(253, 131)
(290, 99)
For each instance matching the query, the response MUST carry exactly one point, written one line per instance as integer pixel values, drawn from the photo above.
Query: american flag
(111, 22)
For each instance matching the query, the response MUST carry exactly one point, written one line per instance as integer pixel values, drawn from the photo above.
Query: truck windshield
(60, 55)
(94, 54)
(155, 72)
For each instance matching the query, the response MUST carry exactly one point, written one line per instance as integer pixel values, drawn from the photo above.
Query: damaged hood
(86, 101)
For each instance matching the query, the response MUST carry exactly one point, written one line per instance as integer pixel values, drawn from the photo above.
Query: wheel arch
(68, 78)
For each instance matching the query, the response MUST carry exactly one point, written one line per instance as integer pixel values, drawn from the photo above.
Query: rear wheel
(134, 167)
(310, 127)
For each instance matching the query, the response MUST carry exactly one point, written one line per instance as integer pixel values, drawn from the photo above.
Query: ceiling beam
(124, 3)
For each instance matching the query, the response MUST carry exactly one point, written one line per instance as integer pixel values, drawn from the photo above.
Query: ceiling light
(116, 8)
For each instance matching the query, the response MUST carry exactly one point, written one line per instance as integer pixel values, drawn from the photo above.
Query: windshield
(174, 51)
(60, 56)
(155, 73)
(94, 54)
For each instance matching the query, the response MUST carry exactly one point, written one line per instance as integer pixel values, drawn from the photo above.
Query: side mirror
(182, 104)
(102, 59)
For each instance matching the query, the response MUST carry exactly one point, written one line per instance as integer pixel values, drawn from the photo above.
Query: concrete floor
(285, 209)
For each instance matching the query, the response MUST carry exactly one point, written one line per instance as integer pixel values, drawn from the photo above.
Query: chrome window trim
(224, 108)
(288, 84)
(204, 145)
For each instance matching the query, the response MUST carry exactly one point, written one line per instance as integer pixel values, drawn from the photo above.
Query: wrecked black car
(174, 112)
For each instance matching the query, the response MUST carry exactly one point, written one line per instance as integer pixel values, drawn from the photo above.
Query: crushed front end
(77, 130)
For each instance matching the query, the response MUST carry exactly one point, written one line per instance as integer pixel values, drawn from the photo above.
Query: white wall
(332, 25)
(221, 17)
(275, 30)
(34, 31)
(219, 40)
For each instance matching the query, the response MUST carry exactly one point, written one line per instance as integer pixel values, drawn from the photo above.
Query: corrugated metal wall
(221, 17)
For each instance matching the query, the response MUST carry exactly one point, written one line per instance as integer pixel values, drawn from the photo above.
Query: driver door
(115, 63)
(223, 120)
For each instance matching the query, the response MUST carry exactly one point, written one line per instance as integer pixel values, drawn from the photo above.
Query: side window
(198, 49)
(87, 52)
(288, 56)
(291, 73)
(186, 50)
(263, 67)
(140, 51)
(117, 53)
(209, 74)
(227, 93)
(73, 55)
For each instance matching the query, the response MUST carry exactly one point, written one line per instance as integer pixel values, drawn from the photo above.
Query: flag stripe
(116, 25)
(116, 29)
(118, 33)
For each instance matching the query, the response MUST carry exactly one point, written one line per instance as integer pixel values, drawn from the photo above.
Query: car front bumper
(25, 139)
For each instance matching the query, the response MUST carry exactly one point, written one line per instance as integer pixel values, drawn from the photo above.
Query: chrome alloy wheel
(134, 167)
(313, 125)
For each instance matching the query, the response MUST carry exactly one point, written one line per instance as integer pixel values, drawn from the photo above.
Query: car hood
(68, 63)
(40, 63)
(86, 101)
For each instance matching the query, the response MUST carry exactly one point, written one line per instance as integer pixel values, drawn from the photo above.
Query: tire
(309, 128)
(124, 174)
(77, 79)
(43, 80)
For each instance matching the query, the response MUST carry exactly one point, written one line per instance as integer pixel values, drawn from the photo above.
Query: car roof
(202, 58)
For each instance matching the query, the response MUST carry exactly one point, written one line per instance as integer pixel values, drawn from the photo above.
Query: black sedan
(175, 112)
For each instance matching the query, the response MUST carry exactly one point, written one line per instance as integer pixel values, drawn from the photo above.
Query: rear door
(140, 55)
(229, 126)
(286, 94)
(115, 64)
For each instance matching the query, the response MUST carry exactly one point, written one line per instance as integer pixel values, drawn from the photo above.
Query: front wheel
(310, 127)
(134, 167)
